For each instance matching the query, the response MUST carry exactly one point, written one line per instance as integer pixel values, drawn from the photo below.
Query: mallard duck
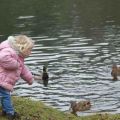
(45, 76)
(79, 106)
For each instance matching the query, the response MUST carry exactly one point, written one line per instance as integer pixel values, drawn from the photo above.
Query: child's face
(26, 52)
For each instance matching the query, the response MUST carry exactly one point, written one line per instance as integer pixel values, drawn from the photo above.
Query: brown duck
(79, 106)
(115, 72)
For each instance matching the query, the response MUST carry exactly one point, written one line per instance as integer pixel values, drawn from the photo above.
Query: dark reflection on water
(78, 40)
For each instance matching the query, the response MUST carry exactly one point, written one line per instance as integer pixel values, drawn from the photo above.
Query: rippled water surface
(78, 40)
(79, 69)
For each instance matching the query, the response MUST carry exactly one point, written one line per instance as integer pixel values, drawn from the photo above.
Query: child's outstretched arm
(27, 75)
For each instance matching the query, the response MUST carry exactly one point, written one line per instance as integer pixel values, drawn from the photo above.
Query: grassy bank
(36, 110)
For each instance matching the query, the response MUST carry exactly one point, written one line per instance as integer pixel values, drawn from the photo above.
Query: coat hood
(4, 44)
(9, 43)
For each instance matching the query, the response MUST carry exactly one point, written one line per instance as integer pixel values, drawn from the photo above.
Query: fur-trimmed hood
(10, 42)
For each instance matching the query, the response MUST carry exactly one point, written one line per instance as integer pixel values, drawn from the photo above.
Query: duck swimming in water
(45, 76)
(115, 72)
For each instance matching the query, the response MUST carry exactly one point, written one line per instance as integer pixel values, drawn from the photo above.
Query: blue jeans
(5, 99)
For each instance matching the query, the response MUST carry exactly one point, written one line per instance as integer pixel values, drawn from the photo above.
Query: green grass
(36, 110)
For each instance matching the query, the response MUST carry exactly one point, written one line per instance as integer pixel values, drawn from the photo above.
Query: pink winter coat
(12, 67)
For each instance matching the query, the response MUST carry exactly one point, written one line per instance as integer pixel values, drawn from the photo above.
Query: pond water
(78, 41)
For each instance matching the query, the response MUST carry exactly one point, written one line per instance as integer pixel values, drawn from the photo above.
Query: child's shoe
(3, 113)
(16, 116)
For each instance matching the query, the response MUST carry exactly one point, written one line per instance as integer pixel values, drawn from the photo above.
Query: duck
(45, 76)
(79, 106)
(115, 72)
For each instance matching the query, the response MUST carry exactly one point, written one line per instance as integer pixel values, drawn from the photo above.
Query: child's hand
(30, 83)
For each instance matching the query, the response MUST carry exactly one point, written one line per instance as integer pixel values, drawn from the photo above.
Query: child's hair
(21, 42)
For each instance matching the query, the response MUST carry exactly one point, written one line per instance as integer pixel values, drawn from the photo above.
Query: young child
(12, 54)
